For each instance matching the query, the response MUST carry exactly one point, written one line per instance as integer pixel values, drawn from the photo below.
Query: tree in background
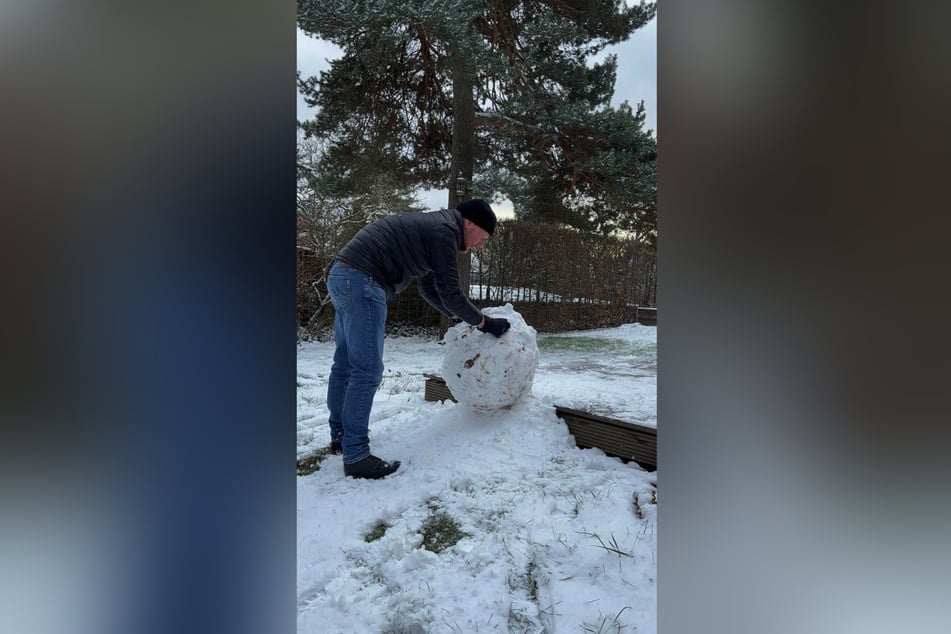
(329, 212)
(427, 90)
(331, 196)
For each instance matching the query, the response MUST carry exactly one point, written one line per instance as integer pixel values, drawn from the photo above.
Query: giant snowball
(490, 373)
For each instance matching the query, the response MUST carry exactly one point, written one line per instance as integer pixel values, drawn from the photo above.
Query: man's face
(474, 236)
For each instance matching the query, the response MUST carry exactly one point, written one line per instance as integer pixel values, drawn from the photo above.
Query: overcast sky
(636, 81)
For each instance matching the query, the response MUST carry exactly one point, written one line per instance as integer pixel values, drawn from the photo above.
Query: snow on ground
(532, 533)
(611, 372)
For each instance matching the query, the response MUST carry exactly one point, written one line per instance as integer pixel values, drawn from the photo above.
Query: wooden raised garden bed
(646, 316)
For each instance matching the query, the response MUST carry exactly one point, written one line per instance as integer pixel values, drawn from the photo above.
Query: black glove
(496, 325)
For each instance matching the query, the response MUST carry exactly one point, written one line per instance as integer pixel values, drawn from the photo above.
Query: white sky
(537, 510)
(636, 81)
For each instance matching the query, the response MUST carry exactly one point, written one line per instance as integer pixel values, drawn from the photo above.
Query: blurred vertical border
(148, 328)
(803, 346)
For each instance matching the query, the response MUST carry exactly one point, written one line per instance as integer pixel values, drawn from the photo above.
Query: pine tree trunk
(463, 151)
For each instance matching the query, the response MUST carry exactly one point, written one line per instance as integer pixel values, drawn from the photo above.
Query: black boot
(371, 468)
(336, 447)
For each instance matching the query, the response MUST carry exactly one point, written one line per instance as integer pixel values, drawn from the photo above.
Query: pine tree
(426, 90)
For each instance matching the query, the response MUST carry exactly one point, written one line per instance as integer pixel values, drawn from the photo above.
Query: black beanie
(479, 212)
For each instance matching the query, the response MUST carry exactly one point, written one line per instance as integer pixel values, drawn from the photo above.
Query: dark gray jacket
(395, 249)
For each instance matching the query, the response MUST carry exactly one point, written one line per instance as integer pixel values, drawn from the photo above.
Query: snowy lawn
(493, 523)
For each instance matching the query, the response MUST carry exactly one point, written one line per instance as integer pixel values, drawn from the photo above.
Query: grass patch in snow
(378, 531)
(580, 344)
(532, 581)
(440, 531)
(398, 383)
(593, 345)
(306, 465)
(611, 545)
(607, 624)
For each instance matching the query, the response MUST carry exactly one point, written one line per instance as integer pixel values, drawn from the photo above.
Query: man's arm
(446, 283)
(495, 325)
(426, 285)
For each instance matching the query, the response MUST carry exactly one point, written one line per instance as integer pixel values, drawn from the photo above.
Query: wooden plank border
(646, 315)
(615, 437)
(437, 390)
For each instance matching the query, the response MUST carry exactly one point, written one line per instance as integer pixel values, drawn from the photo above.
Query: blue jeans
(360, 303)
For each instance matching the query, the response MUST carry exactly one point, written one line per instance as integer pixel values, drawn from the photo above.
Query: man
(376, 265)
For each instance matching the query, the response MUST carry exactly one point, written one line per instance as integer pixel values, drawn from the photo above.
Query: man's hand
(495, 325)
